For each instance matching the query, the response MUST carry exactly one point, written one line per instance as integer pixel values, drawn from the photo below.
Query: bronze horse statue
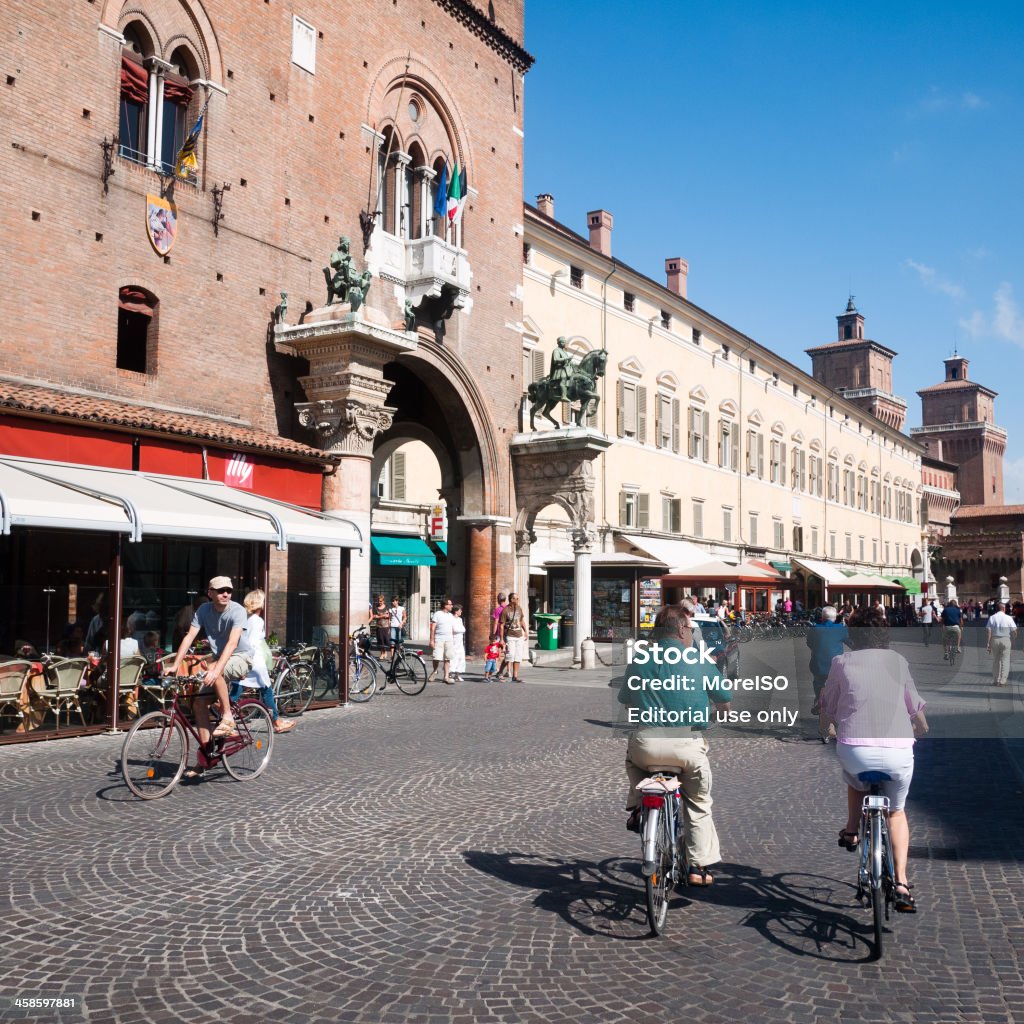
(581, 387)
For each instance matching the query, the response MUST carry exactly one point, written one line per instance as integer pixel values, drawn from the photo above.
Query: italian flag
(456, 194)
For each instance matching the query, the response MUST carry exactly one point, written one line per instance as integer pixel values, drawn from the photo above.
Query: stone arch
(171, 24)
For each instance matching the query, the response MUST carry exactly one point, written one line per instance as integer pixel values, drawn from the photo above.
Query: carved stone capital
(346, 426)
(524, 538)
(582, 541)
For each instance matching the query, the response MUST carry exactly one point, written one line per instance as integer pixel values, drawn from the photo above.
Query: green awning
(401, 551)
(909, 583)
(442, 546)
(782, 566)
(848, 572)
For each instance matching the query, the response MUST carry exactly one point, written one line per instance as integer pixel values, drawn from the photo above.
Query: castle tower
(859, 368)
(958, 426)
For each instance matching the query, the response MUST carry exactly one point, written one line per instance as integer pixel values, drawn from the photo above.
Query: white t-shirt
(1001, 624)
(397, 613)
(443, 629)
(129, 647)
(927, 614)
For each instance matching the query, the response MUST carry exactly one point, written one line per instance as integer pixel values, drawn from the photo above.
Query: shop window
(136, 330)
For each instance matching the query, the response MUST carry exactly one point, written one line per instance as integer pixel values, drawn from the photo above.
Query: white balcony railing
(422, 265)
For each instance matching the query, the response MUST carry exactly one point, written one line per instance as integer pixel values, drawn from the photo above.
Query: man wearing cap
(223, 621)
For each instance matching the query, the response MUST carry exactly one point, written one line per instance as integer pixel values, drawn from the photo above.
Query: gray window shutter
(692, 431)
(622, 509)
(760, 456)
(641, 415)
(734, 433)
(782, 463)
(658, 402)
(643, 507)
(537, 361)
(620, 397)
(706, 418)
(398, 476)
(675, 425)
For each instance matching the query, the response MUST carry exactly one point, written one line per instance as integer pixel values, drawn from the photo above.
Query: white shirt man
(1001, 631)
(442, 638)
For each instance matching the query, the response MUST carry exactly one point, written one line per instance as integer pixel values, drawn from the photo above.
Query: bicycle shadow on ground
(811, 916)
(595, 897)
(117, 791)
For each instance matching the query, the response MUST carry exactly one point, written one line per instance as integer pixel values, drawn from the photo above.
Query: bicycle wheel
(153, 755)
(295, 692)
(246, 755)
(658, 882)
(410, 673)
(362, 679)
(877, 893)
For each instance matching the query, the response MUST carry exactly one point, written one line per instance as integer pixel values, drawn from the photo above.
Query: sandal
(849, 840)
(280, 726)
(633, 821)
(902, 900)
(195, 773)
(699, 877)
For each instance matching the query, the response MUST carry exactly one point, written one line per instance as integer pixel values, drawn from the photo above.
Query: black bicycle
(405, 668)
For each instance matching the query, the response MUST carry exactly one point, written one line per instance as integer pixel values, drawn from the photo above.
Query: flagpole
(391, 140)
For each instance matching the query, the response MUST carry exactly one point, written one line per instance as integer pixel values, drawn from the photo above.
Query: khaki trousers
(690, 753)
(1001, 660)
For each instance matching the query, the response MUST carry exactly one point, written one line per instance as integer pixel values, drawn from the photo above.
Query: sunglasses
(224, 590)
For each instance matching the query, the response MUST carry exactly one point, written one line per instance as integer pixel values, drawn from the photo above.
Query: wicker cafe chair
(65, 681)
(128, 687)
(13, 675)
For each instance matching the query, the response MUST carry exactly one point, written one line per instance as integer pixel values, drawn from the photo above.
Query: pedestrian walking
(1001, 631)
(458, 665)
(441, 640)
(927, 621)
(513, 635)
(492, 653)
(502, 604)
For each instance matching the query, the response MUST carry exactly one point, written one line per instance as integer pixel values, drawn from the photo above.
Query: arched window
(136, 330)
(387, 160)
(156, 96)
(418, 193)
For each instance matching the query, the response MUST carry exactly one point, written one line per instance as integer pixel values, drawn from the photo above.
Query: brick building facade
(315, 127)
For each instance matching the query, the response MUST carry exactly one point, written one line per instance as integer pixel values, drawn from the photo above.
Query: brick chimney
(676, 270)
(600, 224)
(546, 204)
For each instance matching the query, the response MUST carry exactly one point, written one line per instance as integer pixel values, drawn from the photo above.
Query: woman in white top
(259, 677)
(458, 665)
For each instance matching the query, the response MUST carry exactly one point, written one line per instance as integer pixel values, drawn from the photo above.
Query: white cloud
(976, 325)
(1007, 322)
(931, 279)
(1013, 481)
(938, 101)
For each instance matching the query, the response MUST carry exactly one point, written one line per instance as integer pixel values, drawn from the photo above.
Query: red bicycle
(156, 748)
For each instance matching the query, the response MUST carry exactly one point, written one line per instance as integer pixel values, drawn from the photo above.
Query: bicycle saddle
(872, 777)
(667, 784)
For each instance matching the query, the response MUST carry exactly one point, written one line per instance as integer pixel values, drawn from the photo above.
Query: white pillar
(154, 112)
(426, 175)
(582, 586)
(402, 226)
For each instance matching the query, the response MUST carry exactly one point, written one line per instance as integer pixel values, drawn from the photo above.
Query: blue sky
(794, 153)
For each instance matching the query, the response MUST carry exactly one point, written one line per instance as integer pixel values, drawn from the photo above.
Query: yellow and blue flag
(187, 163)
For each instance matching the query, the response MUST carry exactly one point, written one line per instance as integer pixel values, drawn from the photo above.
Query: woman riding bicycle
(681, 745)
(871, 698)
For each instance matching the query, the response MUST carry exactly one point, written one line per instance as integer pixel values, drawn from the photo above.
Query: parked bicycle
(659, 832)
(876, 874)
(405, 668)
(156, 749)
(294, 680)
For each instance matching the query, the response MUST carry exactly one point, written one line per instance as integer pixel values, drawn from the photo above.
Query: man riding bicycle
(224, 622)
(952, 618)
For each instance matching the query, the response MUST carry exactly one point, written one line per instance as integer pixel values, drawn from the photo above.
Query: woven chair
(13, 675)
(65, 680)
(128, 687)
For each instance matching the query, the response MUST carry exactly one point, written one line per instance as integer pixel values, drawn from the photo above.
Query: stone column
(426, 176)
(524, 538)
(347, 428)
(403, 229)
(582, 546)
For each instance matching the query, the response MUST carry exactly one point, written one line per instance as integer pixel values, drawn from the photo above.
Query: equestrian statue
(570, 382)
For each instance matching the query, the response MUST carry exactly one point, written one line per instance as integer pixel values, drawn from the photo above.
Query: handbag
(267, 655)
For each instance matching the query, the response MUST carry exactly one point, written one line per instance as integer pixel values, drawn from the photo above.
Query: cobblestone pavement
(461, 856)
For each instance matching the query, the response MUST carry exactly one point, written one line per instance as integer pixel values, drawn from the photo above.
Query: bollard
(588, 654)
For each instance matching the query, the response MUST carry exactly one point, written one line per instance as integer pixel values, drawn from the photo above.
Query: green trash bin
(547, 631)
